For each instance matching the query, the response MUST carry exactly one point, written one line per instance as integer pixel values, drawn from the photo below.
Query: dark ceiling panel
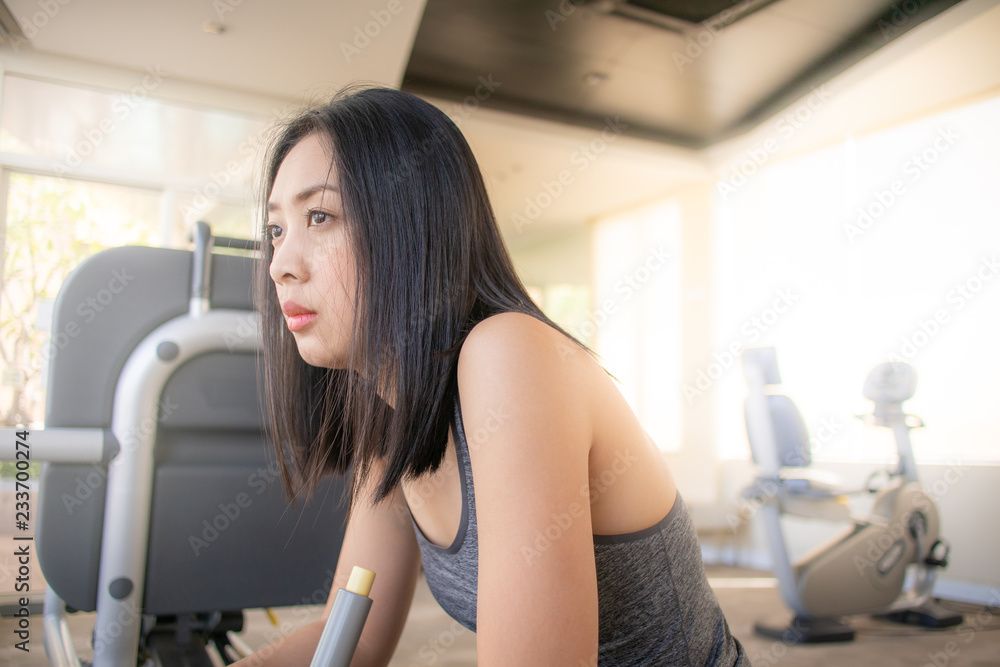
(692, 11)
(585, 62)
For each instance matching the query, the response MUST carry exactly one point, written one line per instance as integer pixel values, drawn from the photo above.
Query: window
(885, 247)
(84, 170)
(635, 321)
(53, 224)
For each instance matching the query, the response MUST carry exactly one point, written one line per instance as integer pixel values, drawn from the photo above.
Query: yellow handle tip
(360, 581)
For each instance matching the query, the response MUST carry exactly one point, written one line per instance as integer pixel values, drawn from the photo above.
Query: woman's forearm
(296, 649)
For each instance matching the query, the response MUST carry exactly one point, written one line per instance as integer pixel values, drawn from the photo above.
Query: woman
(484, 441)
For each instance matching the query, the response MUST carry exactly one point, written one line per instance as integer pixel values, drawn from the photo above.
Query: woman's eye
(273, 231)
(319, 217)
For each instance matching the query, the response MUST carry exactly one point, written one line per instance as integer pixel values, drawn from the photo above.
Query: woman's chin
(321, 358)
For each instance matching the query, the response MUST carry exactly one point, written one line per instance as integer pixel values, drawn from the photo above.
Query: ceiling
(681, 72)
(557, 71)
(278, 49)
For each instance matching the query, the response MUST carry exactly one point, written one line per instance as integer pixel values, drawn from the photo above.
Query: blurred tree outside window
(52, 225)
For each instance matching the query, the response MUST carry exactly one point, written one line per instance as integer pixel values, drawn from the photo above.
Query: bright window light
(635, 318)
(889, 248)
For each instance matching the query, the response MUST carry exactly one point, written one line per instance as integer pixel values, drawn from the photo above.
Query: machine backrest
(222, 535)
(784, 421)
(791, 437)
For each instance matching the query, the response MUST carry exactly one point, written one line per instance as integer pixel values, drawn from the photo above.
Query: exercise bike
(863, 569)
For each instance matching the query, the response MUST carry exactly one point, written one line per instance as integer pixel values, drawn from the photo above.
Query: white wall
(562, 258)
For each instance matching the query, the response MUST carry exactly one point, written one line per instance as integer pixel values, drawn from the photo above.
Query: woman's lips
(297, 322)
(298, 317)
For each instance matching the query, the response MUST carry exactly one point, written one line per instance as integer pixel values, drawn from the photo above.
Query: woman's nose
(288, 261)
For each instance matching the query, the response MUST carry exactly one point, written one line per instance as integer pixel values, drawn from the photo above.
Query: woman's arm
(381, 540)
(526, 414)
(294, 649)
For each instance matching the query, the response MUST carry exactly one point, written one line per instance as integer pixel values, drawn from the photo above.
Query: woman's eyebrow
(306, 194)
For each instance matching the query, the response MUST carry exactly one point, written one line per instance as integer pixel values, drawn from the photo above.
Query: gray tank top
(654, 603)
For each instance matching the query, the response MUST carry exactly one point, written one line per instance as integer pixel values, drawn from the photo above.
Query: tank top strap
(458, 427)
(464, 464)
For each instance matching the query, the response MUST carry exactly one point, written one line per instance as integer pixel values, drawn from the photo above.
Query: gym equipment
(345, 622)
(863, 569)
(158, 506)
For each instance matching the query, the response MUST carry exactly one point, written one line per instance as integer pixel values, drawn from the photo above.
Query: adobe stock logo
(581, 158)
(121, 108)
(751, 331)
(913, 169)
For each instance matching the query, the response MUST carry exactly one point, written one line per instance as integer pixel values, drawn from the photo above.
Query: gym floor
(431, 637)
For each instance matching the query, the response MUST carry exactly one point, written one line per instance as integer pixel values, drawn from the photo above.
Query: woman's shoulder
(513, 337)
(533, 369)
(510, 322)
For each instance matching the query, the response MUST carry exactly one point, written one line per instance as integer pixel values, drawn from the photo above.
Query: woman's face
(312, 266)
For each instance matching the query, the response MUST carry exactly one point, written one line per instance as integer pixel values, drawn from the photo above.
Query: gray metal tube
(56, 639)
(61, 445)
(134, 423)
(201, 278)
(201, 274)
(346, 621)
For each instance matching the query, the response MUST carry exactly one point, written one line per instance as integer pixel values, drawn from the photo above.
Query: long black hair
(430, 264)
